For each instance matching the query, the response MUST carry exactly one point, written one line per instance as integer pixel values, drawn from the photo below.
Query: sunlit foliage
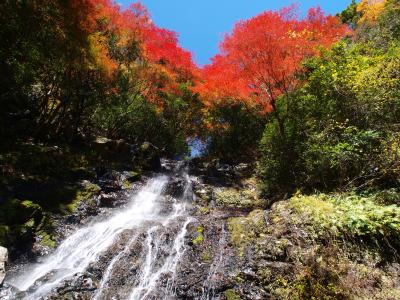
(259, 60)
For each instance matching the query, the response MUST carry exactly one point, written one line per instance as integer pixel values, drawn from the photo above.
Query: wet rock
(7, 292)
(176, 187)
(80, 286)
(148, 157)
(168, 165)
(249, 273)
(111, 181)
(107, 200)
(243, 170)
(3, 261)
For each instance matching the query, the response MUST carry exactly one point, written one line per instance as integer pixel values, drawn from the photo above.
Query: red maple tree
(259, 60)
(128, 39)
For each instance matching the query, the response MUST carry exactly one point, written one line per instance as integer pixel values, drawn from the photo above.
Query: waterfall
(208, 285)
(157, 226)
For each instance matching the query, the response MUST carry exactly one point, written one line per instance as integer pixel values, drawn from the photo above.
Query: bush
(350, 216)
(340, 130)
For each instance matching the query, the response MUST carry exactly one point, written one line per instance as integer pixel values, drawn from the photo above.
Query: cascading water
(156, 226)
(208, 285)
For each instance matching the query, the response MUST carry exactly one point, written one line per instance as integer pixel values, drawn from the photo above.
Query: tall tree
(260, 59)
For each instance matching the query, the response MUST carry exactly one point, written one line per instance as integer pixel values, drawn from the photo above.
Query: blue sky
(201, 24)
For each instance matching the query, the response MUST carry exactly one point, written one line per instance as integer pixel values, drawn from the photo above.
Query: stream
(162, 241)
(150, 234)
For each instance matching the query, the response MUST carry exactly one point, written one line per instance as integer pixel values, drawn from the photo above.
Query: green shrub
(350, 216)
(340, 130)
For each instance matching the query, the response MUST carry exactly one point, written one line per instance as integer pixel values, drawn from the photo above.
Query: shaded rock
(168, 165)
(148, 157)
(107, 200)
(80, 286)
(131, 176)
(112, 150)
(111, 181)
(176, 187)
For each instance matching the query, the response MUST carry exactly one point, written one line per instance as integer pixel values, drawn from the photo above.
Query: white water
(208, 285)
(84, 247)
(108, 273)
(150, 275)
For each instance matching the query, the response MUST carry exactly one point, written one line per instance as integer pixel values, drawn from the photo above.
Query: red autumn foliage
(163, 64)
(259, 60)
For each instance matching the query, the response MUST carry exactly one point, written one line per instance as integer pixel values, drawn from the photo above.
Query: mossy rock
(84, 193)
(46, 239)
(245, 230)
(133, 176)
(199, 235)
(242, 199)
(206, 255)
(231, 295)
(203, 210)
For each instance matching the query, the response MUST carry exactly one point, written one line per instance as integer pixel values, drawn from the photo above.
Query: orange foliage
(370, 10)
(260, 59)
(163, 64)
(161, 49)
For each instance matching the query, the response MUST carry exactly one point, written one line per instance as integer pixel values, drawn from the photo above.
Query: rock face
(3, 261)
(210, 239)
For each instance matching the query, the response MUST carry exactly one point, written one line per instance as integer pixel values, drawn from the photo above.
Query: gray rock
(3, 261)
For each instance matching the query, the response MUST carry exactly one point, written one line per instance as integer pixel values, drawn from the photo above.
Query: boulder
(149, 157)
(176, 187)
(111, 182)
(107, 200)
(109, 150)
(3, 261)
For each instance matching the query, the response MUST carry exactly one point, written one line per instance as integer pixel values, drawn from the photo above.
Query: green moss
(127, 184)
(204, 210)
(47, 240)
(16, 211)
(244, 230)
(199, 235)
(85, 194)
(233, 198)
(206, 255)
(134, 176)
(231, 295)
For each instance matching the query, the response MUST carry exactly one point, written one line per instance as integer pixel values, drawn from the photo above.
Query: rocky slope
(225, 243)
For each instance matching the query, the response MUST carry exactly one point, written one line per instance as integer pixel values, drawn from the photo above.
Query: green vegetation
(337, 246)
(245, 230)
(340, 129)
(231, 295)
(350, 216)
(199, 235)
(234, 198)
